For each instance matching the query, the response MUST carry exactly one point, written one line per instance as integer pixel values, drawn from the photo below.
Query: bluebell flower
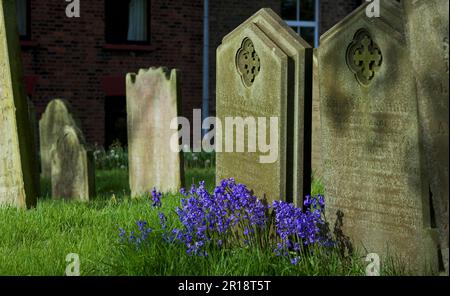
(156, 199)
(294, 261)
(122, 233)
(162, 221)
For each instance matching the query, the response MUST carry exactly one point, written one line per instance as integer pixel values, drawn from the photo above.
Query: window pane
(116, 21)
(307, 8)
(21, 7)
(296, 29)
(289, 10)
(137, 26)
(308, 35)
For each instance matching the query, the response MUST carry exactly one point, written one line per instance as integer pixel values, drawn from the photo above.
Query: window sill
(28, 44)
(128, 47)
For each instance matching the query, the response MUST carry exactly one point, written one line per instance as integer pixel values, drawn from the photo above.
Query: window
(303, 17)
(127, 21)
(23, 18)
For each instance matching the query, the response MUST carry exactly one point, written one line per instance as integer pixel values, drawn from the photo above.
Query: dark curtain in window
(117, 20)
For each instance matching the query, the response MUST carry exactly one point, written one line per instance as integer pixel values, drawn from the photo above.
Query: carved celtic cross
(247, 62)
(364, 57)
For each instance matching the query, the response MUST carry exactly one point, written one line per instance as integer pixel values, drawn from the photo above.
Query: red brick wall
(70, 60)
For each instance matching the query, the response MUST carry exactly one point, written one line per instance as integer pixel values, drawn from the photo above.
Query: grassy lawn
(36, 242)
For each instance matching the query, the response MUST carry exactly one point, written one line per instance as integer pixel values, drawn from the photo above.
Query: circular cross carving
(364, 57)
(247, 62)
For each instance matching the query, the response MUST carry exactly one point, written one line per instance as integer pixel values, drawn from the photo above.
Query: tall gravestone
(264, 71)
(427, 27)
(373, 166)
(153, 101)
(316, 143)
(58, 113)
(17, 170)
(72, 166)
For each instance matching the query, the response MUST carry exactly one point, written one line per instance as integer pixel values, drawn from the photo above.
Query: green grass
(36, 242)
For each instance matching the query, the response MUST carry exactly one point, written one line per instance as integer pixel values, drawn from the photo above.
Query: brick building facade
(72, 58)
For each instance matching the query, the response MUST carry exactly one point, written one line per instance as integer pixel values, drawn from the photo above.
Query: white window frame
(298, 23)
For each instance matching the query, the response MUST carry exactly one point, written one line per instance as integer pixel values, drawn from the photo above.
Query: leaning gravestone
(427, 26)
(17, 170)
(58, 113)
(72, 166)
(263, 72)
(153, 101)
(373, 167)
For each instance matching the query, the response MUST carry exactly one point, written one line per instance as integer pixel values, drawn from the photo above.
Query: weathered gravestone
(72, 166)
(17, 170)
(58, 113)
(373, 167)
(264, 72)
(427, 27)
(316, 143)
(153, 101)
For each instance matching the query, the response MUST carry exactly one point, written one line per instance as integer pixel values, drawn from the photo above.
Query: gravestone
(264, 71)
(373, 167)
(153, 100)
(18, 186)
(316, 143)
(58, 113)
(427, 26)
(72, 166)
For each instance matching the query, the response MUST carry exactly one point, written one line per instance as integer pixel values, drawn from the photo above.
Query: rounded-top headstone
(57, 114)
(72, 169)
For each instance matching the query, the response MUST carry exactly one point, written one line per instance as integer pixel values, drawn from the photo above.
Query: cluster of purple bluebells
(156, 199)
(137, 238)
(297, 228)
(230, 215)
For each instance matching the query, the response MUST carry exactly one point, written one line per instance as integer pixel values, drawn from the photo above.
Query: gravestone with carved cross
(264, 72)
(373, 167)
